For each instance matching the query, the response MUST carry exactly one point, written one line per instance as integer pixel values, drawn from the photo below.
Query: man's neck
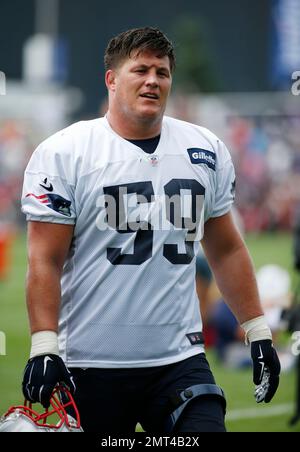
(131, 130)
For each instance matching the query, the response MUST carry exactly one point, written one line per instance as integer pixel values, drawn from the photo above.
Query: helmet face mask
(23, 418)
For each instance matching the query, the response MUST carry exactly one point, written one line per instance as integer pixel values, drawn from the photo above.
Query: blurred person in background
(274, 286)
(113, 308)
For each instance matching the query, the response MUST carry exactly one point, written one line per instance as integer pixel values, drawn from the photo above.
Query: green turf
(13, 322)
(272, 248)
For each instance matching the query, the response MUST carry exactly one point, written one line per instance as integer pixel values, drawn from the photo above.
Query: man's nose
(152, 79)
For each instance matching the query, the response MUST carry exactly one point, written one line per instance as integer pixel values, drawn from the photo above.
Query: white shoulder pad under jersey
(128, 286)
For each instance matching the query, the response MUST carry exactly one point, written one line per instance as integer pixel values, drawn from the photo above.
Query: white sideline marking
(251, 413)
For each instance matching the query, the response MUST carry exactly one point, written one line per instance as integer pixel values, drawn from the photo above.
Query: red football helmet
(23, 418)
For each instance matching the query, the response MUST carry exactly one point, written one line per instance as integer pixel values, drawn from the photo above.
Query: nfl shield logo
(153, 159)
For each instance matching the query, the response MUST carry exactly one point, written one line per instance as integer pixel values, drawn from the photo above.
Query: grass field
(243, 413)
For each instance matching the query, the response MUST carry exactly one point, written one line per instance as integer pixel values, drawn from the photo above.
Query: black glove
(42, 373)
(266, 370)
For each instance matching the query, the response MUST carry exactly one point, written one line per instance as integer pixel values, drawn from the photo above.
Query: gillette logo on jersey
(198, 155)
(54, 202)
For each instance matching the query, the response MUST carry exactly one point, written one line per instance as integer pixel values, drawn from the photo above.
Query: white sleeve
(225, 183)
(49, 185)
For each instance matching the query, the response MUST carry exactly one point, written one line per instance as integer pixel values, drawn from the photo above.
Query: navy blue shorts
(115, 400)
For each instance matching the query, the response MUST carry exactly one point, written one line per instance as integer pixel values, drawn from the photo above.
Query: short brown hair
(141, 39)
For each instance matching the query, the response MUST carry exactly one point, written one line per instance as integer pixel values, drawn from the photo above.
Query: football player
(116, 209)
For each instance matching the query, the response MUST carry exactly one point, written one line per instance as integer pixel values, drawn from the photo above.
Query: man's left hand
(266, 370)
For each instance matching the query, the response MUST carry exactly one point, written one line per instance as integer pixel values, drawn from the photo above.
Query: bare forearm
(235, 277)
(48, 245)
(43, 296)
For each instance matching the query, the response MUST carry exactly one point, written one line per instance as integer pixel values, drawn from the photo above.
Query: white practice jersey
(128, 285)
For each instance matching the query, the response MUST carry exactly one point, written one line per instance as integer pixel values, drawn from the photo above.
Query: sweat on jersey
(128, 284)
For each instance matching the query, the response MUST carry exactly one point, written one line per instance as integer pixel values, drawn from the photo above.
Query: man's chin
(150, 114)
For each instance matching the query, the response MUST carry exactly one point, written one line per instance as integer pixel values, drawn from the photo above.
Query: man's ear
(110, 79)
